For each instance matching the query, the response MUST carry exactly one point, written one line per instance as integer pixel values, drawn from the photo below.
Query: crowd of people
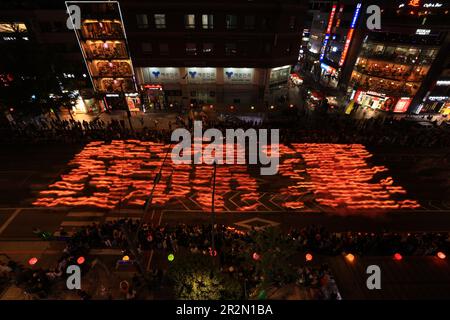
(235, 249)
(303, 126)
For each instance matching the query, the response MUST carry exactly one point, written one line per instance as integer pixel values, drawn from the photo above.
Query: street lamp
(213, 214)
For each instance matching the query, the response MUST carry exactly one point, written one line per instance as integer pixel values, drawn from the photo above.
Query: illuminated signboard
(350, 34)
(402, 104)
(414, 3)
(423, 32)
(238, 75)
(328, 31)
(443, 83)
(327, 68)
(432, 5)
(330, 20)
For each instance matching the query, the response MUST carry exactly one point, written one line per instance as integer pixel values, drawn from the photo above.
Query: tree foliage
(195, 277)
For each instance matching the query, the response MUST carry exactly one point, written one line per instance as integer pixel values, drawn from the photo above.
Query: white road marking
(10, 219)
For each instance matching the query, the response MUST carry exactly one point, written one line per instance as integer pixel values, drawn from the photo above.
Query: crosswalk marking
(10, 219)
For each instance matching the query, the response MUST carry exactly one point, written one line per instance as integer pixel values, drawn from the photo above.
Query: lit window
(189, 21)
(142, 21)
(207, 21)
(191, 49)
(160, 21)
(208, 48)
(231, 21)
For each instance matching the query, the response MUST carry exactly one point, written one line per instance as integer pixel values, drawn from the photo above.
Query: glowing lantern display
(171, 257)
(350, 257)
(125, 258)
(33, 261)
(80, 260)
(336, 176)
(441, 255)
(256, 256)
(308, 257)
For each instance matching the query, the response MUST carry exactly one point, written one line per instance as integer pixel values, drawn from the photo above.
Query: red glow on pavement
(335, 176)
(398, 256)
(441, 255)
(350, 257)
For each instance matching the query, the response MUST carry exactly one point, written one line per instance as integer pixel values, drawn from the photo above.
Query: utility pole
(213, 214)
(132, 239)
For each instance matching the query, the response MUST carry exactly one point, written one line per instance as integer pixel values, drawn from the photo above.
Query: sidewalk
(138, 119)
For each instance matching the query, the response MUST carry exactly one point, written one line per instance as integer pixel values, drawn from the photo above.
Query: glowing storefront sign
(443, 83)
(350, 34)
(402, 104)
(432, 5)
(238, 75)
(159, 74)
(423, 32)
(327, 68)
(201, 75)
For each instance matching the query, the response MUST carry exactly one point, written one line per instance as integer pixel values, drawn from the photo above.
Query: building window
(292, 20)
(207, 21)
(267, 48)
(147, 47)
(142, 21)
(265, 23)
(288, 49)
(189, 21)
(163, 49)
(208, 48)
(160, 21)
(191, 49)
(231, 21)
(249, 22)
(230, 49)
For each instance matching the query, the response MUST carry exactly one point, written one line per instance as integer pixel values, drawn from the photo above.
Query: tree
(273, 257)
(195, 277)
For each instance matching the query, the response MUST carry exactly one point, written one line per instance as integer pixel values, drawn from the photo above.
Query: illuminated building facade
(396, 64)
(191, 54)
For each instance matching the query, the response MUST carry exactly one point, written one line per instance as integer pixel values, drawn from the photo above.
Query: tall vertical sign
(349, 37)
(327, 35)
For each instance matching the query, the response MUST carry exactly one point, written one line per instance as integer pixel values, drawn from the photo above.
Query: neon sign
(328, 31)
(350, 34)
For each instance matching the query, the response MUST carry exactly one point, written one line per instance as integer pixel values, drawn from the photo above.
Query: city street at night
(211, 159)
